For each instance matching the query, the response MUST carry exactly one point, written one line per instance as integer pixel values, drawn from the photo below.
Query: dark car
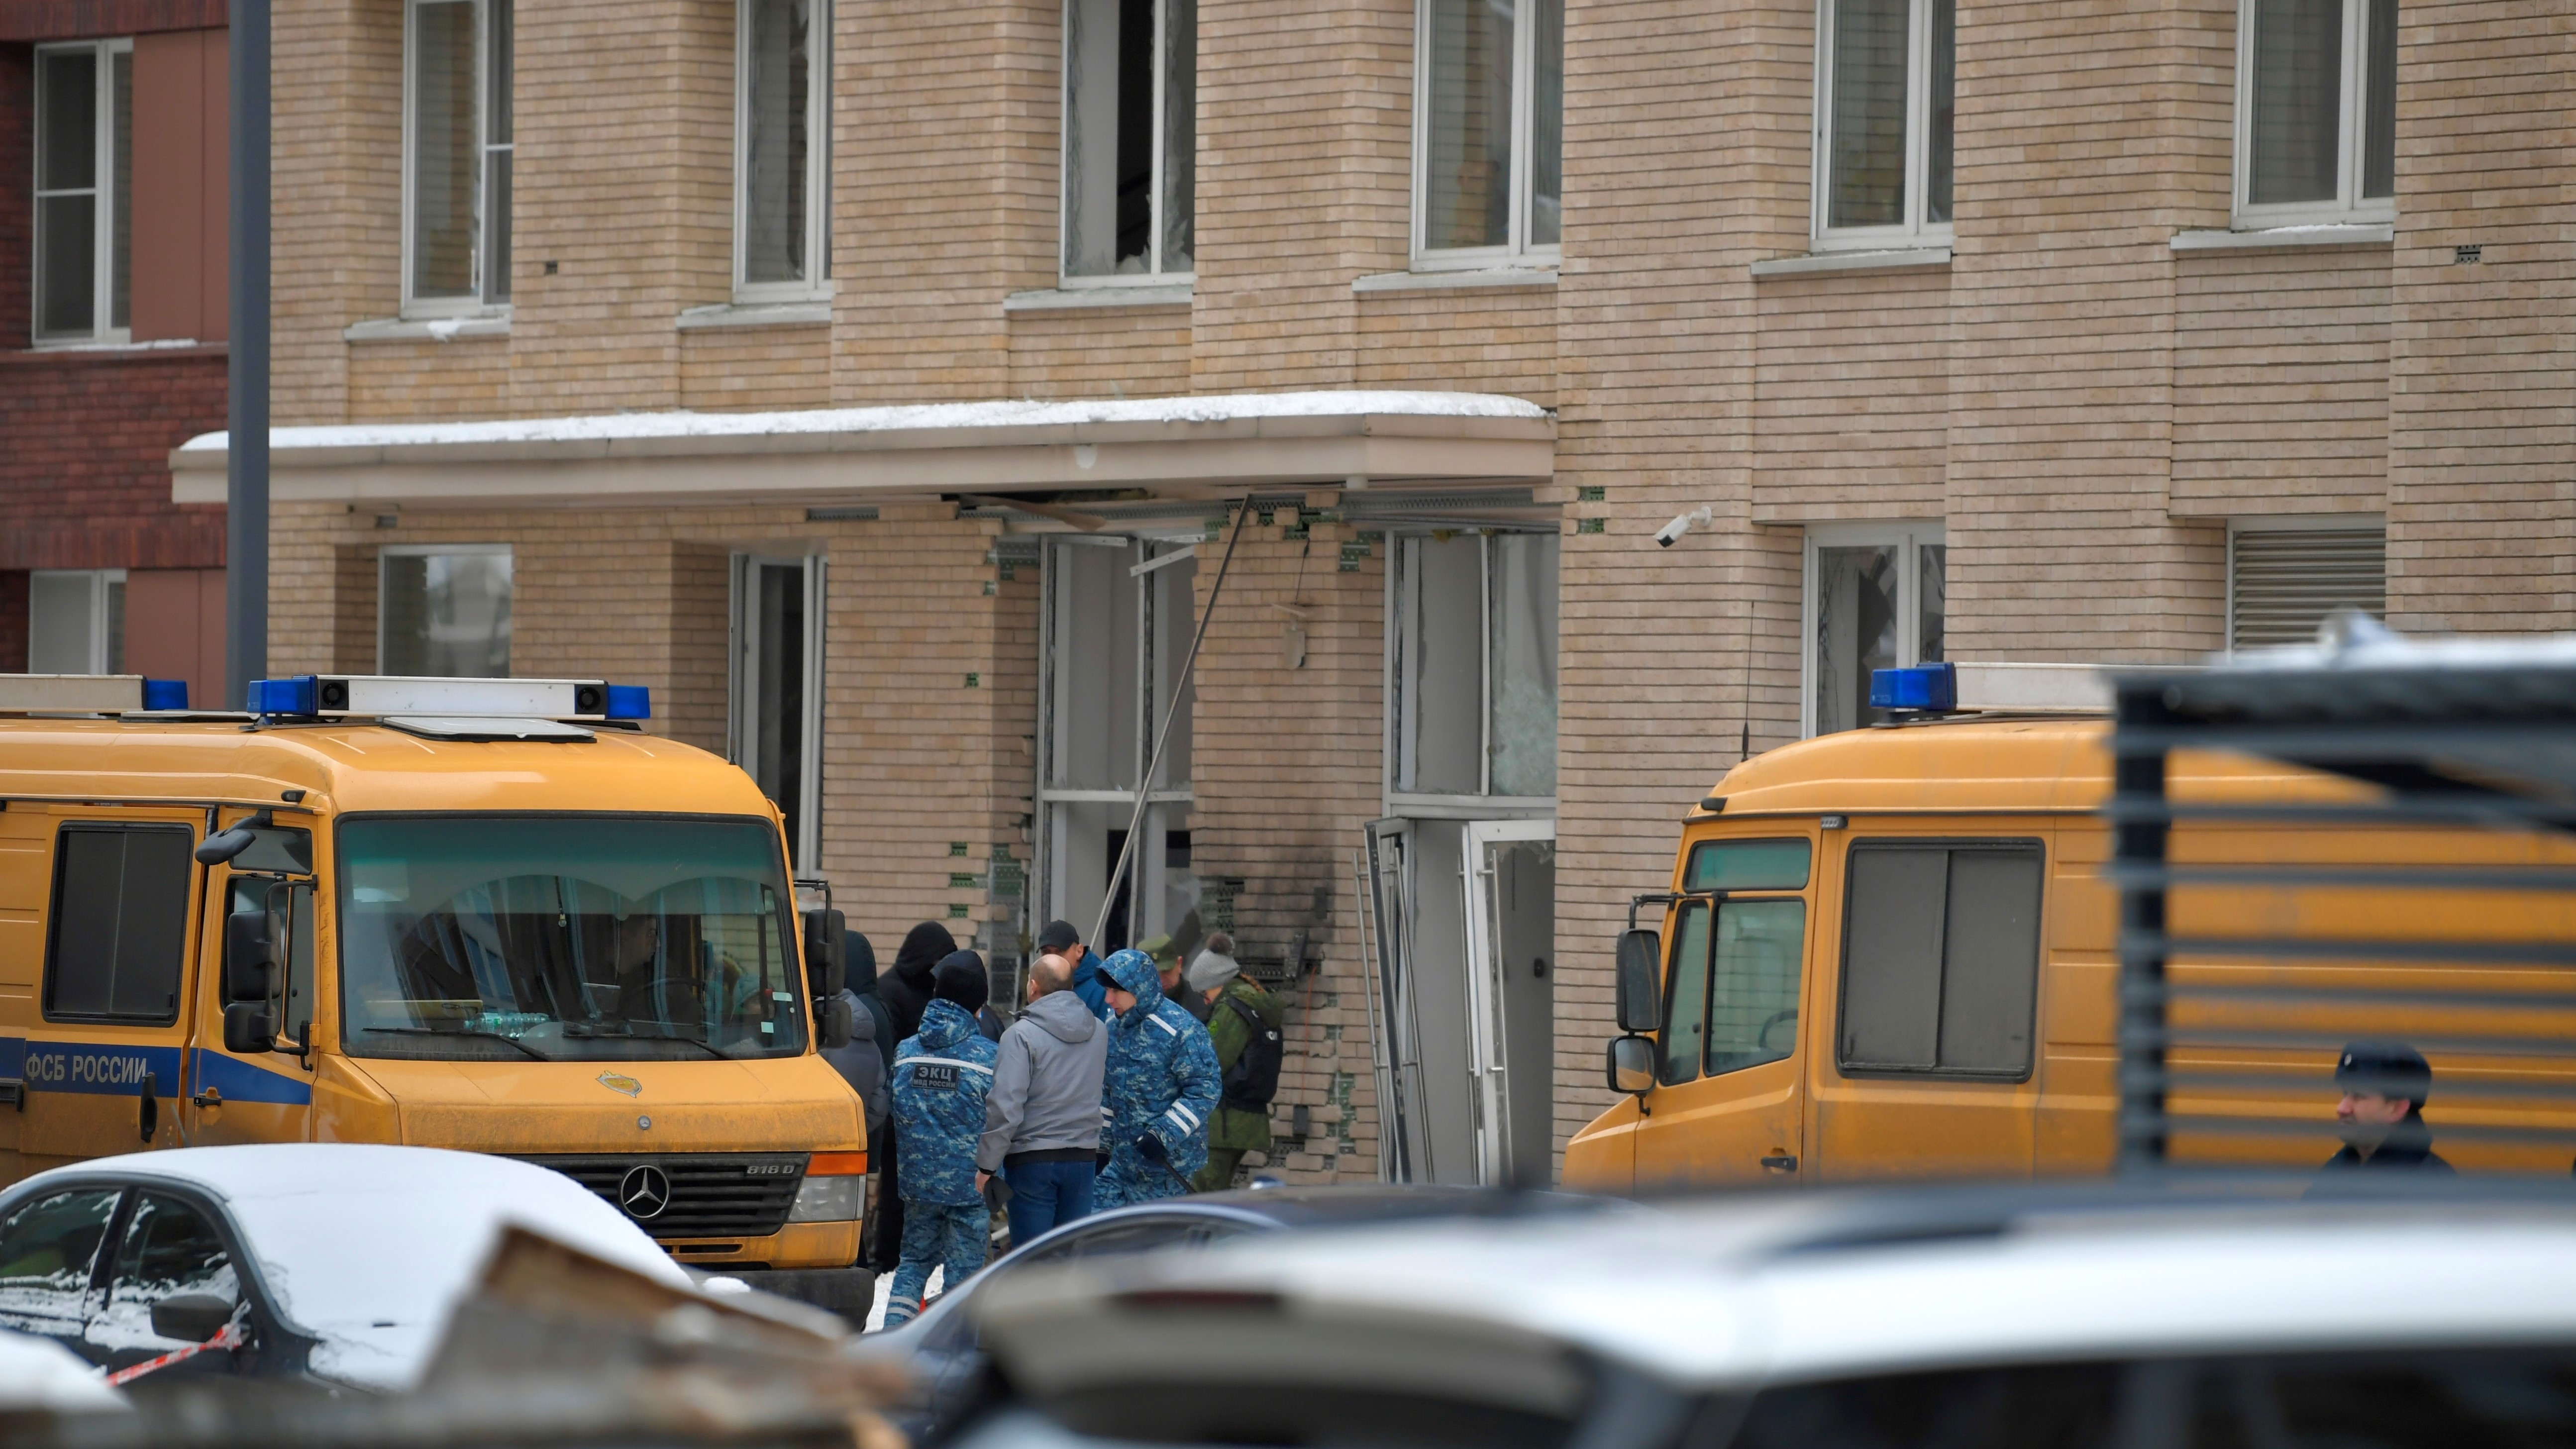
(942, 1350)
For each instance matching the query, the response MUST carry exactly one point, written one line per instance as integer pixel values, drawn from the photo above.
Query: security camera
(1671, 533)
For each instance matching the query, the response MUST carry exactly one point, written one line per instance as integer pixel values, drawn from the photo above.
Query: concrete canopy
(1193, 445)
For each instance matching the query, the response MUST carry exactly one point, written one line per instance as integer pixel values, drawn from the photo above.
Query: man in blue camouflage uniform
(1160, 1088)
(941, 1078)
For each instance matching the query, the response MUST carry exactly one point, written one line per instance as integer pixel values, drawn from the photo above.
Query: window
(48, 1250)
(1940, 957)
(84, 190)
(776, 683)
(1489, 132)
(444, 610)
(2283, 582)
(1747, 865)
(120, 919)
(76, 621)
(782, 165)
(2316, 111)
(1116, 627)
(293, 901)
(1472, 702)
(171, 1249)
(1883, 122)
(1130, 138)
(1875, 600)
(1733, 1001)
(456, 169)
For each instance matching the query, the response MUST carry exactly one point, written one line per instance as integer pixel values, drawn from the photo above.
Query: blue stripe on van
(239, 1081)
(13, 1058)
(98, 1069)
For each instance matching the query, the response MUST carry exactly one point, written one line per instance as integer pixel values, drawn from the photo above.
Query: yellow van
(1893, 952)
(481, 914)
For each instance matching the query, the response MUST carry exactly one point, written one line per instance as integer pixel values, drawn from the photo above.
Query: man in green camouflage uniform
(1216, 978)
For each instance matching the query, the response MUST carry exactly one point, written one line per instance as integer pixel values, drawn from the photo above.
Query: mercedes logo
(644, 1192)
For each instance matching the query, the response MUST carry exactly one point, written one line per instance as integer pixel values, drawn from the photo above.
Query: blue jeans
(956, 1236)
(1046, 1195)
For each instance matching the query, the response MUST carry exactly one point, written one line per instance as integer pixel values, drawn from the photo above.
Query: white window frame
(103, 649)
(1482, 805)
(2349, 204)
(481, 304)
(817, 287)
(1156, 193)
(1517, 250)
(2284, 523)
(103, 199)
(1909, 535)
(438, 550)
(1914, 231)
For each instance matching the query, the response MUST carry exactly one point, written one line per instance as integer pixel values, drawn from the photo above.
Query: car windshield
(575, 938)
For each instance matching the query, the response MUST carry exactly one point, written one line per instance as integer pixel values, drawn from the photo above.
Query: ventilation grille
(2285, 583)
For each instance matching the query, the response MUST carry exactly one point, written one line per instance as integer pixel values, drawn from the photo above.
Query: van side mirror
(827, 946)
(833, 1023)
(249, 1028)
(1632, 1065)
(1641, 959)
(251, 952)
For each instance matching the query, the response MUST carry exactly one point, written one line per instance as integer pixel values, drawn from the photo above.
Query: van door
(1729, 1105)
(263, 1096)
(102, 1065)
(1511, 1023)
(1929, 1068)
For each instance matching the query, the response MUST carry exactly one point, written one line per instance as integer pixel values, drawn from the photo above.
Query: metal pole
(1163, 736)
(246, 450)
(2142, 835)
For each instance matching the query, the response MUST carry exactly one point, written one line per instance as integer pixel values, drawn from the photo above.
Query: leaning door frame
(1488, 1034)
(741, 638)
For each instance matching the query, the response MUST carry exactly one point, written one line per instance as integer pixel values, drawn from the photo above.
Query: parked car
(328, 1261)
(2035, 1317)
(40, 1376)
(943, 1353)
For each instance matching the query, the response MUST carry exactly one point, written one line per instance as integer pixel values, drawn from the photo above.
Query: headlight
(830, 1200)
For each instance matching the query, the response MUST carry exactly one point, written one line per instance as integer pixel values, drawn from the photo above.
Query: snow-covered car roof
(40, 1375)
(1785, 1289)
(368, 1248)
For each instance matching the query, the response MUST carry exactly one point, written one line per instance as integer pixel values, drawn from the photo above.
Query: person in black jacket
(2381, 1116)
(905, 992)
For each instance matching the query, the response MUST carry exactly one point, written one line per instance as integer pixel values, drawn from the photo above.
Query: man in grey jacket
(1042, 1119)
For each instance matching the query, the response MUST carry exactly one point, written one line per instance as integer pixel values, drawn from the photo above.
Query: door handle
(1781, 1162)
(208, 1098)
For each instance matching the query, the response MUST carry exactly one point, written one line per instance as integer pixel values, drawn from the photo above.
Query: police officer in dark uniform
(2381, 1116)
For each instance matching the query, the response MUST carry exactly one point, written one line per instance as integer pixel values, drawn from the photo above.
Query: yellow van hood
(792, 1104)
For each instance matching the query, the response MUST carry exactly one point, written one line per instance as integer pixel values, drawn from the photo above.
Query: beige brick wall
(756, 369)
(1118, 352)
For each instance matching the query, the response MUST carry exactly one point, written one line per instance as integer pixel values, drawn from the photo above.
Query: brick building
(857, 376)
(112, 266)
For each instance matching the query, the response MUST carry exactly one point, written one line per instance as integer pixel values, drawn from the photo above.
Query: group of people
(1120, 1081)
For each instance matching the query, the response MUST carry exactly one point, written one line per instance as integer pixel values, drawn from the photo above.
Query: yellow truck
(1893, 951)
(491, 915)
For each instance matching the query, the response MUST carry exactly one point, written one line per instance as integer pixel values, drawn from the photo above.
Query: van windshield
(565, 938)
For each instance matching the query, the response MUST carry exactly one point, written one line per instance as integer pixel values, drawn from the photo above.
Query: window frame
(2349, 205)
(438, 550)
(96, 825)
(1483, 804)
(1158, 169)
(1909, 537)
(1517, 251)
(2032, 845)
(817, 286)
(483, 302)
(1914, 231)
(102, 192)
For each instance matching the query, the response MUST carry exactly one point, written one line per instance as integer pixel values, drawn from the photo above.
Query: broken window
(1130, 136)
(1474, 704)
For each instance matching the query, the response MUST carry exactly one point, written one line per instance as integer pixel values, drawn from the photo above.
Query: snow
(38, 1374)
(369, 1248)
(630, 427)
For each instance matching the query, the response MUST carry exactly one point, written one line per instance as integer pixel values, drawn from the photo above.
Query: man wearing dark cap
(1061, 939)
(2381, 1116)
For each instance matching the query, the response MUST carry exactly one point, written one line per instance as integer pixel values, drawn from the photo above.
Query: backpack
(1254, 1078)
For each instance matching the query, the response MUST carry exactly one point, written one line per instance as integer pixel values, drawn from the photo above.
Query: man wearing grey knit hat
(1244, 1027)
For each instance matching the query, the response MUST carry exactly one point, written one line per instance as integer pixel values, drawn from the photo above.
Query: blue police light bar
(1923, 687)
(630, 701)
(294, 695)
(329, 696)
(165, 694)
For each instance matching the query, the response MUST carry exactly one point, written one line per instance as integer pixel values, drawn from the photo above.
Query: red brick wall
(93, 19)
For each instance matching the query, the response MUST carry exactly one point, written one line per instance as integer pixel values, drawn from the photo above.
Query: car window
(1941, 957)
(170, 1248)
(47, 1250)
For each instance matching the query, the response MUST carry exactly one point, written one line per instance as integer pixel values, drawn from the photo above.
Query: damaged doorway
(1463, 866)
(1114, 631)
(774, 722)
